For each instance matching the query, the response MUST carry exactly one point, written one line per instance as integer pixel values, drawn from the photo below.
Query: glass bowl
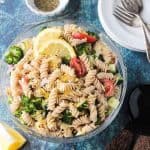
(30, 31)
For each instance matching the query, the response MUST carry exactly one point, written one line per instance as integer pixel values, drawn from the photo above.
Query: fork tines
(121, 14)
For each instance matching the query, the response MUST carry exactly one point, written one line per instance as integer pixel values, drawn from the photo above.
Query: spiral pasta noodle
(44, 69)
(81, 121)
(86, 128)
(90, 77)
(52, 100)
(59, 109)
(51, 123)
(86, 61)
(27, 119)
(103, 75)
(74, 111)
(68, 70)
(101, 65)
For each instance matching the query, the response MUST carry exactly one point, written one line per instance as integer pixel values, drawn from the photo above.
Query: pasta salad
(64, 81)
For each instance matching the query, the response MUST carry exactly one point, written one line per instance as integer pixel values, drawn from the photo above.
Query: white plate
(129, 37)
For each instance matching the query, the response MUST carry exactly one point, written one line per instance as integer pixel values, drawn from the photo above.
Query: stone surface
(14, 14)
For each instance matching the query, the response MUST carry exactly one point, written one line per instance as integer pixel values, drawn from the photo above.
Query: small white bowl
(61, 6)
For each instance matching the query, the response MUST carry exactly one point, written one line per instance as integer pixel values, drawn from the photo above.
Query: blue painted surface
(14, 14)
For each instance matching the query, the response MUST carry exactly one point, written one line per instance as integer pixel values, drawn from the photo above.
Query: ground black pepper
(46, 5)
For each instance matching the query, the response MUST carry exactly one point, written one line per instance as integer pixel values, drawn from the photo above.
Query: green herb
(83, 106)
(18, 113)
(14, 55)
(37, 103)
(67, 117)
(31, 105)
(25, 100)
(93, 34)
(84, 48)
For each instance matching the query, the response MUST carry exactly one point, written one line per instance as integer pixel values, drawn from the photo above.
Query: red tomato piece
(89, 38)
(109, 87)
(79, 66)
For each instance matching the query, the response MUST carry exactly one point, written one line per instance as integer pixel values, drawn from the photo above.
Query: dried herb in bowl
(46, 5)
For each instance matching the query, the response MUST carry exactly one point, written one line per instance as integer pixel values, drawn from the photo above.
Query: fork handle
(147, 38)
(144, 24)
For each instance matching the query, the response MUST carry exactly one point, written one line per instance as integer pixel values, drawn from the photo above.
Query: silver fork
(131, 20)
(134, 7)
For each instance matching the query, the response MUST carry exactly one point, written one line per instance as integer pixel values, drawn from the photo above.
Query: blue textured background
(14, 14)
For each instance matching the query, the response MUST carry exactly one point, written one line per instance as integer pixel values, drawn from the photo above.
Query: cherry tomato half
(78, 35)
(79, 66)
(109, 87)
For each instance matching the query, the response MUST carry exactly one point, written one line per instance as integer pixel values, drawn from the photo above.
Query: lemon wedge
(25, 45)
(58, 47)
(44, 36)
(9, 138)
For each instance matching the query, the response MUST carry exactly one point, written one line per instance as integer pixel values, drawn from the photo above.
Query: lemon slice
(44, 36)
(25, 45)
(58, 47)
(9, 138)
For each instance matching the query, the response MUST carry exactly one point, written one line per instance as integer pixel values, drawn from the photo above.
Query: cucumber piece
(112, 68)
(113, 102)
(119, 79)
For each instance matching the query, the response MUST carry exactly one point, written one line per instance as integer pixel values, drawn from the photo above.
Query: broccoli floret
(14, 55)
(16, 51)
(67, 117)
(8, 58)
(84, 48)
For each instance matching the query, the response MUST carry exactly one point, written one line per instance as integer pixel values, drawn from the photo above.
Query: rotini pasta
(59, 109)
(81, 121)
(103, 75)
(86, 61)
(90, 77)
(27, 119)
(68, 70)
(85, 129)
(51, 122)
(74, 110)
(44, 69)
(101, 65)
(52, 100)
